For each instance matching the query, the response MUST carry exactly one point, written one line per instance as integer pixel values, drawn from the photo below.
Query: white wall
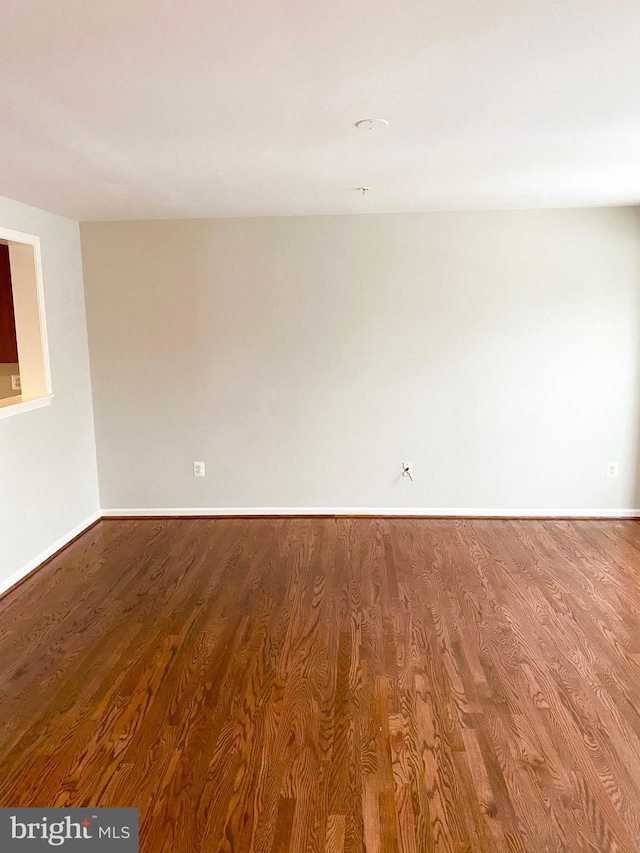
(48, 476)
(305, 358)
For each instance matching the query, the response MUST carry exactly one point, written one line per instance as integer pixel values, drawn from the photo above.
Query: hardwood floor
(388, 685)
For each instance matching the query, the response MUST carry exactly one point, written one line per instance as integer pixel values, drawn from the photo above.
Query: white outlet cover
(612, 469)
(199, 469)
(15, 382)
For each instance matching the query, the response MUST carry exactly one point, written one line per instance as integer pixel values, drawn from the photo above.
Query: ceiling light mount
(363, 190)
(372, 123)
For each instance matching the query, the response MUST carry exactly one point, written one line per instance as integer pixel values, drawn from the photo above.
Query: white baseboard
(426, 512)
(7, 583)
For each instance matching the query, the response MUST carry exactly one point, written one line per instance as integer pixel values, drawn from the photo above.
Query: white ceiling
(123, 109)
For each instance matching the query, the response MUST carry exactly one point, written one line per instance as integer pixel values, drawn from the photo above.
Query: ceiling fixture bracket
(363, 190)
(372, 123)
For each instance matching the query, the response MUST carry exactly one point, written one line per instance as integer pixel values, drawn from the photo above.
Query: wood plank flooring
(330, 685)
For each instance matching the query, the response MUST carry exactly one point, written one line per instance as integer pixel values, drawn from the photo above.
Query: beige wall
(48, 477)
(305, 358)
(6, 372)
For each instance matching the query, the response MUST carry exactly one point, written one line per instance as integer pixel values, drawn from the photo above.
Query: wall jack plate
(15, 382)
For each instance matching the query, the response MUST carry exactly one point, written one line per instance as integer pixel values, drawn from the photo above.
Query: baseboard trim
(9, 584)
(366, 512)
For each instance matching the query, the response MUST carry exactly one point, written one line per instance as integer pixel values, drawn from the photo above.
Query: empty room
(320, 426)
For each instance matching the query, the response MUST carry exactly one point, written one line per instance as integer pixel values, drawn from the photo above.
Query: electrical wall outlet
(612, 469)
(407, 470)
(199, 469)
(15, 382)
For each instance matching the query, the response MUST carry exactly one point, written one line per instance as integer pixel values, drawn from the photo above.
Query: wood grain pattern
(333, 685)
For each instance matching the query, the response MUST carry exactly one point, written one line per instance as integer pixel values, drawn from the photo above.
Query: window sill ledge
(17, 405)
